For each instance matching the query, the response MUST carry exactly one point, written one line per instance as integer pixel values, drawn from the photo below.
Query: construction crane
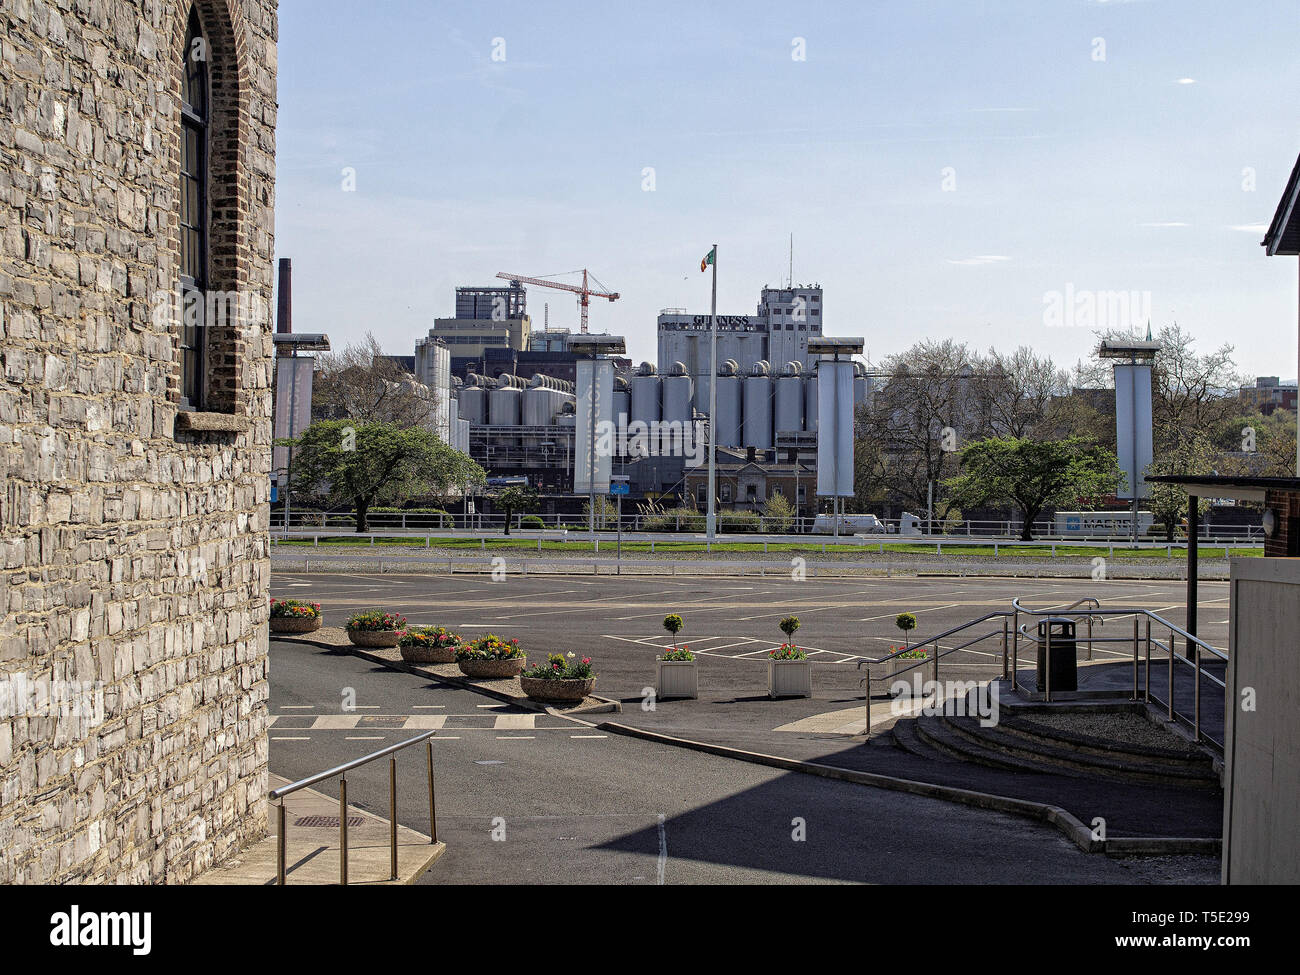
(584, 291)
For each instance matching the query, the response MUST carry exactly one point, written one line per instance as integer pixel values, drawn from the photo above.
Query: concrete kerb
(605, 705)
(1063, 820)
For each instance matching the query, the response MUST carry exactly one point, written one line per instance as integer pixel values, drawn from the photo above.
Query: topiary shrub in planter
(375, 628)
(561, 678)
(490, 656)
(294, 616)
(676, 674)
(428, 645)
(789, 671)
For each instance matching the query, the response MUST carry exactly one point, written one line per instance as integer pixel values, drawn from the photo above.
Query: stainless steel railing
(934, 658)
(340, 771)
(1141, 642)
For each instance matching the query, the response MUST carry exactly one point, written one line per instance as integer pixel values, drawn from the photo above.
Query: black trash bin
(1064, 655)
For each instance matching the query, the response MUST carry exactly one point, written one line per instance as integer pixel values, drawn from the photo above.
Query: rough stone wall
(133, 544)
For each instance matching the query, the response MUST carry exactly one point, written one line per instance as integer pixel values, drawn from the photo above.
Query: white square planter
(789, 678)
(897, 664)
(676, 678)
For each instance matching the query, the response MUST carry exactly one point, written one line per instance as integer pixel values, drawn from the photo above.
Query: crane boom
(584, 290)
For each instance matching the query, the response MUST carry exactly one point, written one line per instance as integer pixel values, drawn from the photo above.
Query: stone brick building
(136, 226)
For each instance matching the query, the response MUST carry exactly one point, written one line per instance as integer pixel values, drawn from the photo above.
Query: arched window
(194, 217)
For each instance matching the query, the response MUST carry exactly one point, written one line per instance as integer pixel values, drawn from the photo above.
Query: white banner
(1133, 427)
(594, 406)
(292, 403)
(834, 429)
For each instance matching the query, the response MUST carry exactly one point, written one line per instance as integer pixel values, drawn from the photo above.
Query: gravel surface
(1122, 728)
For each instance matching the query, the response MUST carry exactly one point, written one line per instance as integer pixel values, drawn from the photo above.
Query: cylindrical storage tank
(758, 407)
(810, 403)
(504, 401)
(861, 386)
(473, 400)
(622, 401)
(730, 397)
(678, 391)
(646, 395)
(544, 398)
(789, 400)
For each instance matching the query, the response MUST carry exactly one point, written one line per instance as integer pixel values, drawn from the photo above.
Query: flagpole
(711, 519)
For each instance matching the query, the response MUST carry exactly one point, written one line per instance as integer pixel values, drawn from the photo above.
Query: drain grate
(327, 821)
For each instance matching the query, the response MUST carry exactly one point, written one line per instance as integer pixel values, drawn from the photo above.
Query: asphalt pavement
(527, 798)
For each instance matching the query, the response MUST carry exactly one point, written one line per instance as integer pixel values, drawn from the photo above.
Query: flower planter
(492, 668)
(543, 689)
(789, 678)
(676, 678)
(429, 655)
(295, 624)
(898, 664)
(373, 638)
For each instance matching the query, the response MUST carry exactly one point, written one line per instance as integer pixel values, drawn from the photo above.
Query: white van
(849, 525)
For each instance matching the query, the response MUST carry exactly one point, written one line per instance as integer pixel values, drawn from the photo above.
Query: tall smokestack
(284, 306)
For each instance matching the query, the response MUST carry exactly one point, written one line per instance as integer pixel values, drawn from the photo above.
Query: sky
(1000, 172)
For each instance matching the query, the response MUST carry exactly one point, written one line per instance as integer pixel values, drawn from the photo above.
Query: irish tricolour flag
(707, 259)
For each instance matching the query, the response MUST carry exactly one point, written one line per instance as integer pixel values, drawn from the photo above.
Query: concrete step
(1051, 754)
(937, 735)
(1188, 758)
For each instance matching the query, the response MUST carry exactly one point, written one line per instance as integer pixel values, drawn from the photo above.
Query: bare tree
(1015, 392)
(362, 383)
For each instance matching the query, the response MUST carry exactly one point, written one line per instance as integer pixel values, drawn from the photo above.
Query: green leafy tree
(778, 513)
(366, 464)
(516, 499)
(673, 624)
(1033, 474)
(788, 625)
(905, 622)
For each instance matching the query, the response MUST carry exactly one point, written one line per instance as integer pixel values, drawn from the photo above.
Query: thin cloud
(979, 259)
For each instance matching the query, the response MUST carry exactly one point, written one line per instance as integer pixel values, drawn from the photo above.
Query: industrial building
(486, 318)
(520, 404)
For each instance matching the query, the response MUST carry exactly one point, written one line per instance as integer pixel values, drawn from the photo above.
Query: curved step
(905, 737)
(937, 735)
(1048, 755)
(1029, 729)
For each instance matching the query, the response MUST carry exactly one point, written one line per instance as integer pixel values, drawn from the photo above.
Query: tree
(788, 625)
(1193, 455)
(910, 433)
(1015, 392)
(513, 499)
(1033, 474)
(363, 384)
(364, 464)
(673, 624)
(777, 512)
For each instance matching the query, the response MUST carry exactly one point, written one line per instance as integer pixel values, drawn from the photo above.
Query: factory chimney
(284, 305)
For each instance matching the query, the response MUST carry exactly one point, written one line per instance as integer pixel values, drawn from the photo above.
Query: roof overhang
(1283, 237)
(1236, 488)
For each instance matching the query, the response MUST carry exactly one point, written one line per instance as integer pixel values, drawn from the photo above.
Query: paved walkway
(312, 854)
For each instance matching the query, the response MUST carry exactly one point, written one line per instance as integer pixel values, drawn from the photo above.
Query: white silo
(730, 395)
(810, 401)
(789, 399)
(678, 390)
(758, 407)
(646, 395)
(504, 401)
(473, 399)
(622, 401)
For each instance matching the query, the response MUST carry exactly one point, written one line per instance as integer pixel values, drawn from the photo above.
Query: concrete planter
(676, 678)
(295, 624)
(568, 691)
(789, 678)
(492, 668)
(373, 638)
(428, 655)
(898, 664)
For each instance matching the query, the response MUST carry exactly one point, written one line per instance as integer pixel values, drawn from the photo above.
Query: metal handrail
(913, 645)
(341, 772)
(1195, 644)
